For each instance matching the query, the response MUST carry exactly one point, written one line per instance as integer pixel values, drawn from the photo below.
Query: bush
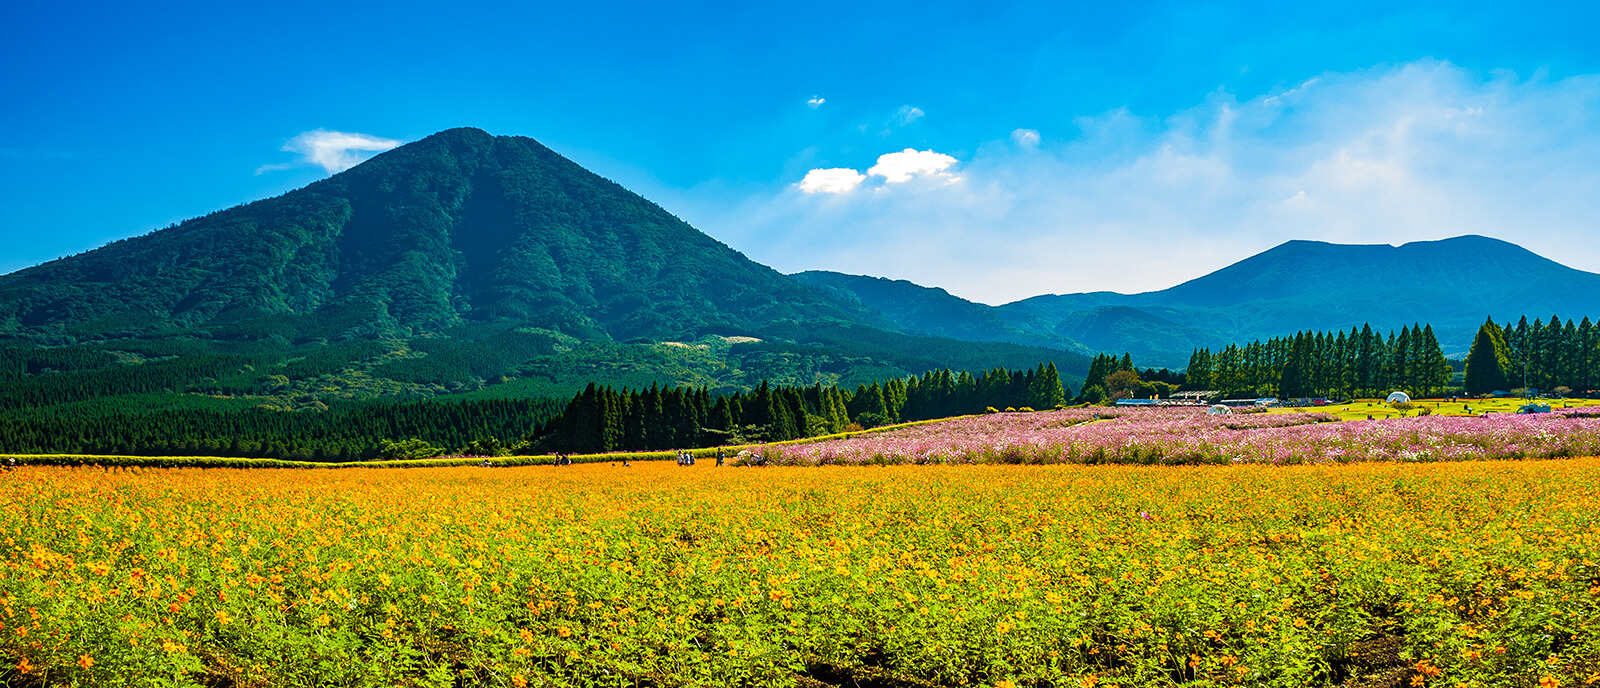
(407, 449)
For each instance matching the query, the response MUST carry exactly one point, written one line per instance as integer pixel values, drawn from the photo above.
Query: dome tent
(1219, 410)
(1398, 398)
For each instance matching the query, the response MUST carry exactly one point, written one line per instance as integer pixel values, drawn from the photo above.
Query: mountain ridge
(1452, 283)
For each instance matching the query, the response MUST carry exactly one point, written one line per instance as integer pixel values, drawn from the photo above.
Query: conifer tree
(1487, 363)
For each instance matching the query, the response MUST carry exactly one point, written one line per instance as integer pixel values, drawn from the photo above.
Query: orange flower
(85, 661)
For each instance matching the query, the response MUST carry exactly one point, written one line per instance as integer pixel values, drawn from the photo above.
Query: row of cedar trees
(1541, 356)
(602, 419)
(1331, 364)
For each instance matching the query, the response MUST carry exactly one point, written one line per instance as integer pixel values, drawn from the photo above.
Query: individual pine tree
(1487, 363)
(1436, 366)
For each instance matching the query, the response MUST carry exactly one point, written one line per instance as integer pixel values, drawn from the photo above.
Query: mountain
(1299, 285)
(455, 228)
(463, 263)
(931, 310)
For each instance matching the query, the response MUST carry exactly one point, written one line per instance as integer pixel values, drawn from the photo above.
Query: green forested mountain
(457, 228)
(463, 266)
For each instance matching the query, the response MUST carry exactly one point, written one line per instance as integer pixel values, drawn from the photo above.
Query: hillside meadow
(1452, 573)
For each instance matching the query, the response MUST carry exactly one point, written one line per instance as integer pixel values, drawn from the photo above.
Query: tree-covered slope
(457, 227)
(933, 311)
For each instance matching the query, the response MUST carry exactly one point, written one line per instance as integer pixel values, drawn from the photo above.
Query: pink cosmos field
(1190, 436)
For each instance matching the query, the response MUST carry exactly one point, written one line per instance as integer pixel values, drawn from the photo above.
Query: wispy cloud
(907, 114)
(816, 102)
(333, 151)
(1125, 202)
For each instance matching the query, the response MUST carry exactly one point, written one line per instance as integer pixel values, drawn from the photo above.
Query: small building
(1138, 402)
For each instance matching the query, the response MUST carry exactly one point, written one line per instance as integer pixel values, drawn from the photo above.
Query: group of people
(687, 458)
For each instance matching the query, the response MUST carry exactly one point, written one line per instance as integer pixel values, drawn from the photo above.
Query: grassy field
(1473, 574)
(1360, 409)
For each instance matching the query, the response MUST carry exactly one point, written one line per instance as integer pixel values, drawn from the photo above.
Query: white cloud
(907, 115)
(1387, 155)
(816, 102)
(333, 151)
(1025, 138)
(900, 167)
(833, 180)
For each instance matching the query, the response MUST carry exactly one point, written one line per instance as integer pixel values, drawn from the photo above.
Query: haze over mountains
(1299, 285)
(470, 264)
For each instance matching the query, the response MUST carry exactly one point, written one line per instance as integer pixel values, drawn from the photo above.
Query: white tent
(1220, 410)
(1398, 398)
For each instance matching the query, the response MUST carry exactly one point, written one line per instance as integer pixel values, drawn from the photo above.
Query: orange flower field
(1473, 574)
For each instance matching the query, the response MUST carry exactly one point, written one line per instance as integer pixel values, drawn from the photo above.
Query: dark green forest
(339, 434)
(598, 419)
(601, 419)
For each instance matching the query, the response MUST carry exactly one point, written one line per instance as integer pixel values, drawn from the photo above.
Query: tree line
(1555, 356)
(602, 419)
(352, 433)
(1360, 363)
(598, 419)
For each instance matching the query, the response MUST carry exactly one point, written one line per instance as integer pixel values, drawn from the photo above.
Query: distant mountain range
(1299, 285)
(463, 264)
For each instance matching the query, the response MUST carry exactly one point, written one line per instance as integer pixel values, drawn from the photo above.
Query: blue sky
(1031, 147)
